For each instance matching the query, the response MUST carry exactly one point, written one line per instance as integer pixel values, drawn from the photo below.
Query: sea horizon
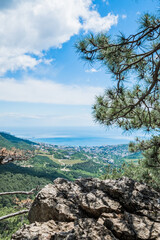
(72, 136)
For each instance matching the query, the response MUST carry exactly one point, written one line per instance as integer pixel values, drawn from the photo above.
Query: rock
(44, 231)
(90, 229)
(94, 209)
(61, 230)
(130, 226)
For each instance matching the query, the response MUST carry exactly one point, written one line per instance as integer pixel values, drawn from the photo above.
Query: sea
(73, 136)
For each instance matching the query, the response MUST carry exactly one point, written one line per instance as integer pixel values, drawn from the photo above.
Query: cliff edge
(93, 209)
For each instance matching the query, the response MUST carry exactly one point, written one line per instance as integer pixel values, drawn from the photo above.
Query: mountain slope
(8, 141)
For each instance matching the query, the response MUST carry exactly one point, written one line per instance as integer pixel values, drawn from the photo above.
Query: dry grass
(62, 161)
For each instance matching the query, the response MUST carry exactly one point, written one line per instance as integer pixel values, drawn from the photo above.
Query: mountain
(49, 163)
(8, 141)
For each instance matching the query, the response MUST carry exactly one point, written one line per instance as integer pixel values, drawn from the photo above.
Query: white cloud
(32, 26)
(124, 16)
(138, 13)
(25, 119)
(17, 119)
(44, 116)
(36, 91)
(96, 24)
(107, 2)
(92, 70)
(19, 116)
(13, 61)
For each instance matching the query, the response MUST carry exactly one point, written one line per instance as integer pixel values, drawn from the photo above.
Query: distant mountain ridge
(9, 141)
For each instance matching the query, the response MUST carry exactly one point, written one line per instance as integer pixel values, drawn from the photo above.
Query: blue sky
(42, 80)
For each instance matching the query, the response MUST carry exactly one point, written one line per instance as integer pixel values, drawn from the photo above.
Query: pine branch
(128, 41)
(144, 55)
(14, 154)
(13, 214)
(18, 192)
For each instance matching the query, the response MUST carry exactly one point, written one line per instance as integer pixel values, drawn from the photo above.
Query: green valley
(50, 162)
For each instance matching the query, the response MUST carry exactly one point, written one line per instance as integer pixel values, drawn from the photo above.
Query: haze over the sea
(73, 136)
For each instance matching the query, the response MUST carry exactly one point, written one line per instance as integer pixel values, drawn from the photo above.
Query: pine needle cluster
(134, 100)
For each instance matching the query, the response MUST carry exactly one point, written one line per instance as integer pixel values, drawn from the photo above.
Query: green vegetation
(89, 166)
(133, 104)
(137, 171)
(43, 168)
(16, 178)
(62, 160)
(11, 225)
(9, 141)
(129, 105)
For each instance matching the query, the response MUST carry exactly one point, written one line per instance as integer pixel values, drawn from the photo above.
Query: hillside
(51, 162)
(8, 141)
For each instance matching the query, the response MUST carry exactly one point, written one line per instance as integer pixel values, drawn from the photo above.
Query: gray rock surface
(93, 209)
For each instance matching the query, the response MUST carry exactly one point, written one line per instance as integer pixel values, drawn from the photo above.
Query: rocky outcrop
(92, 209)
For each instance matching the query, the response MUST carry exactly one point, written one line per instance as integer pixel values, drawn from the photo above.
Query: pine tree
(134, 101)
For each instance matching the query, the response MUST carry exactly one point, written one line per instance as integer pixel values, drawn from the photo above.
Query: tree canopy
(136, 104)
(133, 102)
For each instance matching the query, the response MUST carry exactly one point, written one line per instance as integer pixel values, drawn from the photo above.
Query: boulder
(94, 209)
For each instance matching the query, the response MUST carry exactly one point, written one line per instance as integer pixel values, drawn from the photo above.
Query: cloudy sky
(42, 80)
